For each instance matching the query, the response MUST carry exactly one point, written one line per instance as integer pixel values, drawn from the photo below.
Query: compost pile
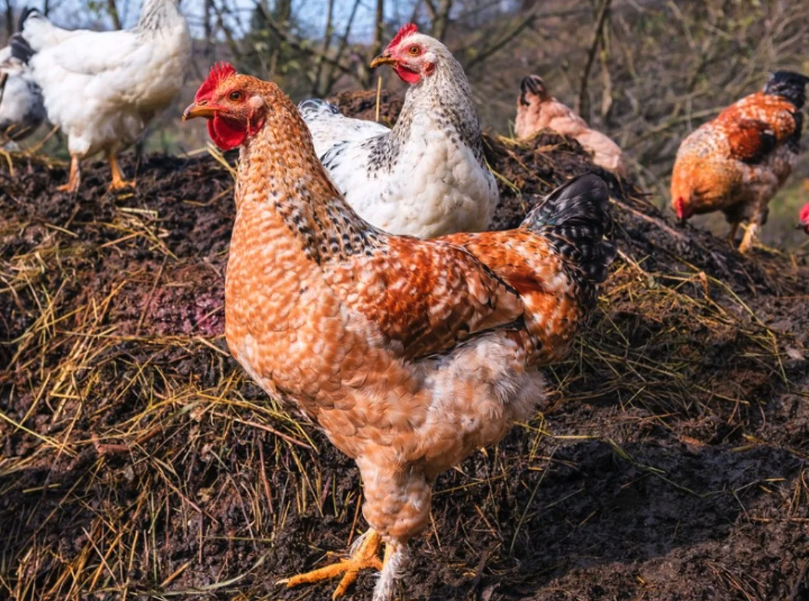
(138, 461)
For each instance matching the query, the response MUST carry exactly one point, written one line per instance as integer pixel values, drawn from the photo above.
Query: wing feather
(427, 296)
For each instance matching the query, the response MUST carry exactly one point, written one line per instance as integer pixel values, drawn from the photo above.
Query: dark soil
(138, 462)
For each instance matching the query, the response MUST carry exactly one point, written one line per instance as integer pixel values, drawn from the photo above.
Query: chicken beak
(195, 110)
(383, 59)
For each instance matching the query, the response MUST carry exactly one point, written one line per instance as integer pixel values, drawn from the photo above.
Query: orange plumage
(409, 354)
(738, 161)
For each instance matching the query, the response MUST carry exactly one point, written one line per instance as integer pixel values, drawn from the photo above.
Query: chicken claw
(72, 184)
(366, 556)
(749, 238)
(118, 182)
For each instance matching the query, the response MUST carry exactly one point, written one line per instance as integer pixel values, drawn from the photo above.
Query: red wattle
(225, 133)
(406, 75)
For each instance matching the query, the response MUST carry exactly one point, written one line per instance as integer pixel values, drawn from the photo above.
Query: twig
(603, 10)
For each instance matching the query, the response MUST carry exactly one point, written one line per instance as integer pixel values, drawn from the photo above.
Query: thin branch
(341, 48)
(300, 45)
(440, 19)
(603, 10)
(504, 41)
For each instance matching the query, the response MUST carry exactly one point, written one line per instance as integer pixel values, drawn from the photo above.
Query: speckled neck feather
(295, 184)
(157, 14)
(446, 99)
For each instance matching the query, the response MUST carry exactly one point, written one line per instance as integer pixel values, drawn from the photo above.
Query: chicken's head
(232, 104)
(412, 55)
(803, 219)
(683, 208)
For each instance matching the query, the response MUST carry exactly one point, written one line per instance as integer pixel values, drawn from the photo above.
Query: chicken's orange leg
(366, 556)
(118, 181)
(749, 236)
(73, 181)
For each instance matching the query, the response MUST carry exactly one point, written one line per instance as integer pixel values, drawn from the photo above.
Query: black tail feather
(20, 48)
(575, 218)
(789, 85)
(27, 12)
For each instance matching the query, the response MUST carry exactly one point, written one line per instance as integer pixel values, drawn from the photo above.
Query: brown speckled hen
(409, 354)
(737, 162)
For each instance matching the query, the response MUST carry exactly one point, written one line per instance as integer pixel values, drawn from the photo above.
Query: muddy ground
(138, 462)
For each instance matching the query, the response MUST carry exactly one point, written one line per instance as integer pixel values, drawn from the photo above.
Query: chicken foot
(749, 237)
(118, 182)
(365, 556)
(72, 185)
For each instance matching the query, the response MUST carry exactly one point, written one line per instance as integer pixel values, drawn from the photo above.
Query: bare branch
(527, 21)
(582, 106)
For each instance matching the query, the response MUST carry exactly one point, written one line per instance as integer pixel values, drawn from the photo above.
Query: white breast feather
(435, 187)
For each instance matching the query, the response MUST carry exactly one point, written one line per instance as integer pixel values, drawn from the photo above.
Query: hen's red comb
(405, 31)
(219, 73)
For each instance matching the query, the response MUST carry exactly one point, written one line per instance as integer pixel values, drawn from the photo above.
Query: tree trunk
(583, 105)
(440, 18)
(379, 34)
(324, 48)
(113, 10)
(9, 18)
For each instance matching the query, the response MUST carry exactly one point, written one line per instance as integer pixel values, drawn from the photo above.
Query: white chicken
(103, 88)
(427, 176)
(21, 108)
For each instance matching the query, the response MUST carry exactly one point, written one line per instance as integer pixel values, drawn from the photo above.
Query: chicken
(738, 161)
(538, 110)
(427, 176)
(103, 88)
(408, 353)
(21, 108)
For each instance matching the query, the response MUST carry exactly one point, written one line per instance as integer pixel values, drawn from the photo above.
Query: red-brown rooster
(409, 354)
(738, 161)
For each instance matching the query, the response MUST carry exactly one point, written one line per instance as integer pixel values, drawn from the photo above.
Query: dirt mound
(138, 461)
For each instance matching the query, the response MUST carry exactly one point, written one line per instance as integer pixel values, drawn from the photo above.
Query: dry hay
(138, 461)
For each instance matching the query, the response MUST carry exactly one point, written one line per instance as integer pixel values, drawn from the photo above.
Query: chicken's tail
(34, 33)
(575, 219)
(20, 48)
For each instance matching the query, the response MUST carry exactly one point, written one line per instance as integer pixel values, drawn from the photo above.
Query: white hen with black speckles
(426, 177)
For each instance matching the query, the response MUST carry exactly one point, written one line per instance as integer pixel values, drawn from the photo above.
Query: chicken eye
(235, 96)
(414, 50)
